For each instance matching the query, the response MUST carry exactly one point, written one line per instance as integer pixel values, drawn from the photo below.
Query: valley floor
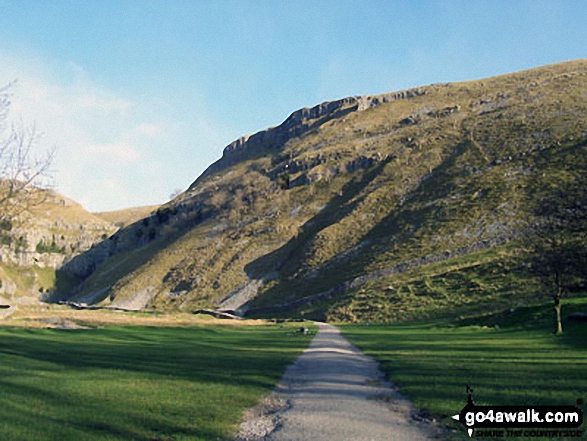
(188, 377)
(334, 392)
(165, 381)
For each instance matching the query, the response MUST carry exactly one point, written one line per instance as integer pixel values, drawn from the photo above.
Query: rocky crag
(41, 241)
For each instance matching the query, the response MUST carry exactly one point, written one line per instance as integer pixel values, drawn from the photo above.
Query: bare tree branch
(23, 173)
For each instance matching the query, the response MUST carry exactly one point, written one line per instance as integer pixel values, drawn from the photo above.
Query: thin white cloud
(146, 130)
(94, 101)
(103, 139)
(88, 96)
(126, 146)
(113, 151)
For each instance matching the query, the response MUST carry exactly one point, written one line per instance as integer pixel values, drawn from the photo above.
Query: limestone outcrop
(298, 123)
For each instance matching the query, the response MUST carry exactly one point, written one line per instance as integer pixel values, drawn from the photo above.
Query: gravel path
(333, 392)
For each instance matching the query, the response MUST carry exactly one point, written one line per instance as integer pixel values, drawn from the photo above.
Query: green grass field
(509, 359)
(137, 383)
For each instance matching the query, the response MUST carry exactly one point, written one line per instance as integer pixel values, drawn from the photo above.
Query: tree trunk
(559, 322)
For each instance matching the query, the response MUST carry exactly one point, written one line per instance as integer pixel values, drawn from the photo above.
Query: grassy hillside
(347, 194)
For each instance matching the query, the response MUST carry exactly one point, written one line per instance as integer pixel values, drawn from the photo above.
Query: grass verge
(509, 359)
(137, 383)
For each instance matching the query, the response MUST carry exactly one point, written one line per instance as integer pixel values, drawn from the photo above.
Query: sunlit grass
(137, 383)
(519, 363)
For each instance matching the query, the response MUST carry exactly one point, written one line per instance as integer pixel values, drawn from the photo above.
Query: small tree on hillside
(175, 193)
(558, 242)
(21, 172)
(285, 181)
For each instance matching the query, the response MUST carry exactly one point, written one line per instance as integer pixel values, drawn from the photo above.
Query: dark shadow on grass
(178, 355)
(243, 358)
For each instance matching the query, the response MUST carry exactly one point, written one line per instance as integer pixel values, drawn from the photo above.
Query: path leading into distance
(335, 392)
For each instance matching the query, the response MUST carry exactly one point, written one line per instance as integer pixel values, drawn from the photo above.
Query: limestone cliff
(43, 240)
(299, 123)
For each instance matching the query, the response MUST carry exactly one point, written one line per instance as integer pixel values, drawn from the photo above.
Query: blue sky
(140, 96)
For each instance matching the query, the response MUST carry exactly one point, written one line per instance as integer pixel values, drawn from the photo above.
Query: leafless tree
(23, 173)
(558, 241)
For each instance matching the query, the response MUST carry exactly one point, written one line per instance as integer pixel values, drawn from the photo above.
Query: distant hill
(367, 208)
(41, 241)
(127, 216)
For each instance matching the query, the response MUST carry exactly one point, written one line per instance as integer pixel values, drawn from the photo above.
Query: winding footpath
(335, 392)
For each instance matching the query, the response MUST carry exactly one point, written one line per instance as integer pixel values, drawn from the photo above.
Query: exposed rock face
(82, 265)
(48, 236)
(366, 102)
(139, 301)
(296, 124)
(79, 238)
(237, 298)
(300, 122)
(7, 288)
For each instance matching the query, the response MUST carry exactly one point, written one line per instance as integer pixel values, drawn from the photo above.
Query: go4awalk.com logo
(520, 421)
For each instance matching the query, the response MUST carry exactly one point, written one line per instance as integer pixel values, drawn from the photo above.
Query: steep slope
(350, 192)
(39, 242)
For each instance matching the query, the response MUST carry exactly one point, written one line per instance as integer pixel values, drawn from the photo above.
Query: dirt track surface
(335, 392)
